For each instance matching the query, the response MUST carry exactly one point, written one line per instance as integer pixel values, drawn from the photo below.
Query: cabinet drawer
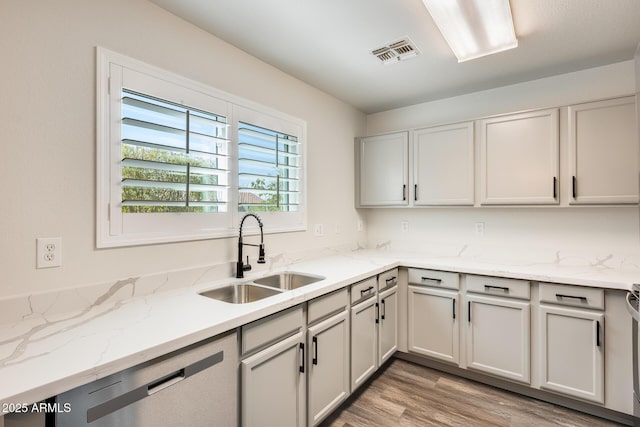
(388, 279)
(576, 296)
(363, 290)
(326, 305)
(498, 286)
(263, 332)
(438, 279)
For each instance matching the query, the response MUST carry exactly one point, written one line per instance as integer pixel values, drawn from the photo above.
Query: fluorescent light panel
(474, 28)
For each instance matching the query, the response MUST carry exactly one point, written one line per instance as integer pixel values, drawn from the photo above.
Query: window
(268, 170)
(270, 174)
(174, 159)
(178, 160)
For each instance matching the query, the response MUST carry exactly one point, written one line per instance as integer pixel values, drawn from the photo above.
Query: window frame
(113, 229)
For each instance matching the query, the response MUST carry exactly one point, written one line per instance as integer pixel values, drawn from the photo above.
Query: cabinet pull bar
(555, 187)
(561, 296)
(384, 310)
(377, 313)
(364, 291)
(429, 278)
(315, 350)
(501, 288)
(469, 311)
(391, 281)
(404, 192)
(454, 308)
(415, 192)
(574, 182)
(302, 365)
(597, 333)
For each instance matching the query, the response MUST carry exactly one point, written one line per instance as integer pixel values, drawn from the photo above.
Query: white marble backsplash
(594, 258)
(64, 305)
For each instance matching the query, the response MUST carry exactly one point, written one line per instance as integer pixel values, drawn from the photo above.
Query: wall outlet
(319, 230)
(479, 229)
(360, 225)
(404, 226)
(48, 252)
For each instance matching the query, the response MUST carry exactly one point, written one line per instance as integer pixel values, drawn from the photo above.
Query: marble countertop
(41, 356)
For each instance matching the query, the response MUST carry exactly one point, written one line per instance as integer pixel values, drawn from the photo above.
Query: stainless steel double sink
(242, 293)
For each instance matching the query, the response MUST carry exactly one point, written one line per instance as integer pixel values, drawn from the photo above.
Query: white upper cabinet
(443, 172)
(519, 158)
(384, 172)
(603, 152)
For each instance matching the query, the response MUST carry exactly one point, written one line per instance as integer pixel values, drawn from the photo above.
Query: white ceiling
(327, 43)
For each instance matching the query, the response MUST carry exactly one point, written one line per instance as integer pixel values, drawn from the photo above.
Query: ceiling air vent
(396, 51)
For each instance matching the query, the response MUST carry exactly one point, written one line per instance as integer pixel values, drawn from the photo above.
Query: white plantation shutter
(174, 158)
(268, 170)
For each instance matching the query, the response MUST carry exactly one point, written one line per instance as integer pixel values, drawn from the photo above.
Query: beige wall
(47, 132)
(594, 230)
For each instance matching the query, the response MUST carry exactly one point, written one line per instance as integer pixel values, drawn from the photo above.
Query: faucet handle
(247, 266)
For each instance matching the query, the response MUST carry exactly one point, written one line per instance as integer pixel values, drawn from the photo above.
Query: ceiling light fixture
(474, 28)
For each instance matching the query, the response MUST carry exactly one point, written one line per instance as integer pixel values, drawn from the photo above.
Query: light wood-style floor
(411, 395)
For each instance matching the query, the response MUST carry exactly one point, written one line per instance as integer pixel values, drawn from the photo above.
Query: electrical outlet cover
(48, 252)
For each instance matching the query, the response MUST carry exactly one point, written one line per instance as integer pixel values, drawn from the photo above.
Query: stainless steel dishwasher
(194, 386)
(633, 300)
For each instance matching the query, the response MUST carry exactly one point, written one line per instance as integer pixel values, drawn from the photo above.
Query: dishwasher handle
(139, 393)
(165, 382)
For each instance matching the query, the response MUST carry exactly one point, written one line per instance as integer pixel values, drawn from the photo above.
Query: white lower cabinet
(433, 323)
(273, 385)
(388, 326)
(364, 341)
(572, 352)
(328, 366)
(498, 337)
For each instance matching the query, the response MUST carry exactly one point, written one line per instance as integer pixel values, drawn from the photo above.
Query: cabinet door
(364, 341)
(572, 352)
(519, 158)
(384, 166)
(433, 323)
(388, 326)
(603, 141)
(328, 362)
(443, 165)
(498, 337)
(273, 385)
